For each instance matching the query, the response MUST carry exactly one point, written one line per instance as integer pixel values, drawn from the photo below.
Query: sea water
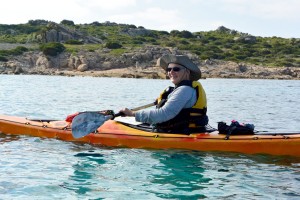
(39, 168)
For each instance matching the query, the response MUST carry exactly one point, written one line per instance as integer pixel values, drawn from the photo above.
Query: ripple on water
(51, 169)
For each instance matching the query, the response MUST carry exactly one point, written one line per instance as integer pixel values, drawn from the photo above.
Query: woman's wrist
(133, 114)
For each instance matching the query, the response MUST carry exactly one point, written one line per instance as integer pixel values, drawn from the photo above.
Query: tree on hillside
(67, 22)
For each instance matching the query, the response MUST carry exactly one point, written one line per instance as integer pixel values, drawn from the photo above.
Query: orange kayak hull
(116, 134)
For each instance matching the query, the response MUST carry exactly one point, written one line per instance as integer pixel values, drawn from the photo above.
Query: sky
(266, 18)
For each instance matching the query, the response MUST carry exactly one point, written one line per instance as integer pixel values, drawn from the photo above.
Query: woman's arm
(181, 97)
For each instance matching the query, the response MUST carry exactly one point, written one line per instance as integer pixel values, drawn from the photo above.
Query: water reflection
(258, 158)
(85, 171)
(234, 175)
(181, 175)
(8, 138)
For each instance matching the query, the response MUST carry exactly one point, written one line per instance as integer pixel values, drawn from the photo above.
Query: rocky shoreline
(136, 64)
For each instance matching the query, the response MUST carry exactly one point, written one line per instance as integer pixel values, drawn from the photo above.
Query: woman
(181, 108)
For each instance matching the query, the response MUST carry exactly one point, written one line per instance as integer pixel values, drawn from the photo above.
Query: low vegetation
(222, 44)
(52, 48)
(19, 50)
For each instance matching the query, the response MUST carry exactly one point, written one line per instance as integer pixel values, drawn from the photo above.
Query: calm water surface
(35, 168)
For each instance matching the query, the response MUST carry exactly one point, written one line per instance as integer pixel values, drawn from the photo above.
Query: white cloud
(155, 18)
(106, 4)
(15, 11)
(18, 11)
(268, 9)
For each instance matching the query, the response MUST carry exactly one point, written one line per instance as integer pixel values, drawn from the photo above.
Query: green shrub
(171, 44)
(113, 45)
(131, 26)
(186, 34)
(183, 34)
(163, 32)
(265, 51)
(52, 48)
(4, 52)
(175, 33)
(37, 22)
(137, 42)
(67, 22)
(76, 42)
(285, 63)
(3, 59)
(155, 43)
(240, 56)
(184, 42)
(198, 52)
(18, 50)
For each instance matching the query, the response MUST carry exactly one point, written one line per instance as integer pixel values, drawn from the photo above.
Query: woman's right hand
(127, 112)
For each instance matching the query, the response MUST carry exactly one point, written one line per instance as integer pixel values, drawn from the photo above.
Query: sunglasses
(175, 69)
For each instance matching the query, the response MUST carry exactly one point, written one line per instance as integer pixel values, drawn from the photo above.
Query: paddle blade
(86, 123)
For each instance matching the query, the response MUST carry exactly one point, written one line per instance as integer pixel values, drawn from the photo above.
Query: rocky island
(92, 56)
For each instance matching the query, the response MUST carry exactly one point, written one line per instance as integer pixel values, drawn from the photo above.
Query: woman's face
(177, 73)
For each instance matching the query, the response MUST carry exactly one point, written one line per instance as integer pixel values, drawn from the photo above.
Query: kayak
(118, 134)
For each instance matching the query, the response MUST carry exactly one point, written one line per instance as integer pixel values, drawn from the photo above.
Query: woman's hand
(127, 112)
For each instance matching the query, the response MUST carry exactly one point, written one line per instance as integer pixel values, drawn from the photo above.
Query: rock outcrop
(138, 64)
(227, 69)
(60, 33)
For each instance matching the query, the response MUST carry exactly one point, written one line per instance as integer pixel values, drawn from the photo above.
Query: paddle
(87, 122)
